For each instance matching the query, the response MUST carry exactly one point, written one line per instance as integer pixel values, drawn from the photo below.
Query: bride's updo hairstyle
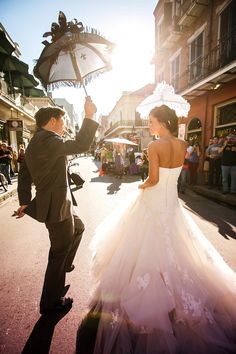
(166, 115)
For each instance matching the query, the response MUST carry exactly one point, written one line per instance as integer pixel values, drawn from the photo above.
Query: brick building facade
(195, 51)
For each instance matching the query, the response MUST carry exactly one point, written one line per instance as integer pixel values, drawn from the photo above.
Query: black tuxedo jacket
(45, 165)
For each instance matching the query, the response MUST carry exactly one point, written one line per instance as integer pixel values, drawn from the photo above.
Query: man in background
(5, 161)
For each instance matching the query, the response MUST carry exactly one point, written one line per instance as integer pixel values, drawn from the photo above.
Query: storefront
(225, 118)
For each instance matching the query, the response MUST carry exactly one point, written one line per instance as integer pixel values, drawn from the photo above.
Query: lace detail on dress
(191, 305)
(143, 281)
(208, 316)
(115, 318)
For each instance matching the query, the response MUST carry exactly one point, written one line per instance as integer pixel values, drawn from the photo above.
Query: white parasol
(164, 94)
(120, 141)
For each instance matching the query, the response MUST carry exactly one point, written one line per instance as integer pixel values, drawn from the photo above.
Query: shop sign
(181, 132)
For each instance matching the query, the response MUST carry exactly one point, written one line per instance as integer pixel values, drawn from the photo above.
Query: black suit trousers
(65, 237)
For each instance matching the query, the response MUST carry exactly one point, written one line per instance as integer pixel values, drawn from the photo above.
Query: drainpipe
(209, 38)
(209, 34)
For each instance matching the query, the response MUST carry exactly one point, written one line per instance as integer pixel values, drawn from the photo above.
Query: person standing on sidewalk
(45, 165)
(193, 162)
(5, 161)
(214, 163)
(228, 164)
(184, 174)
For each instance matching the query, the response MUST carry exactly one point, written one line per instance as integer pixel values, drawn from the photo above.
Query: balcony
(125, 126)
(171, 34)
(191, 10)
(216, 68)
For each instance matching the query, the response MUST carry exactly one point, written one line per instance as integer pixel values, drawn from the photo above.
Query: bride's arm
(153, 173)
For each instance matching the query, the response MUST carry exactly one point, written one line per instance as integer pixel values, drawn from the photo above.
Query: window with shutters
(227, 36)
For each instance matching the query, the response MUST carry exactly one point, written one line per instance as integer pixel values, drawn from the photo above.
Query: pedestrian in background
(214, 163)
(45, 165)
(5, 161)
(206, 162)
(228, 164)
(143, 165)
(184, 174)
(193, 163)
(21, 154)
(119, 162)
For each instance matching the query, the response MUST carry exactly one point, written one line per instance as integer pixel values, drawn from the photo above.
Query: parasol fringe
(75, 83)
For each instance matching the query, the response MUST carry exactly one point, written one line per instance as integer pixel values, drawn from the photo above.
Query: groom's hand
(20, 211)
(89, 107)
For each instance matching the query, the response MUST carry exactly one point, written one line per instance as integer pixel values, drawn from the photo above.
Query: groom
(45, 165)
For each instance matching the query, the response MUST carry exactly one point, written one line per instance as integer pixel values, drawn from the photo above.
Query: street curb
(7, 195)
(215, 195)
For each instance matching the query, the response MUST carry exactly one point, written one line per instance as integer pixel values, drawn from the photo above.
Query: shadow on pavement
(40, 339)
(115, 182)
(114, 187)
(226, 223)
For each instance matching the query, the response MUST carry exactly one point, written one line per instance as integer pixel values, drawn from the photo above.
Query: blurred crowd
(10, 159)
(219, 165)
(219, 162)
(120, 160)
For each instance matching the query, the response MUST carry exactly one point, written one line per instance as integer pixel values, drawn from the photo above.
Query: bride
(159, 286)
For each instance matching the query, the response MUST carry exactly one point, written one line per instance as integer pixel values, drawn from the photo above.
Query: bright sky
(127, 23)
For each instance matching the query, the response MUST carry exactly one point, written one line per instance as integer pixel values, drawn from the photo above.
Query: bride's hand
(142, 186)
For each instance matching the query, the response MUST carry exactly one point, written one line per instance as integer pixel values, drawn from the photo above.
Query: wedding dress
(159, 285)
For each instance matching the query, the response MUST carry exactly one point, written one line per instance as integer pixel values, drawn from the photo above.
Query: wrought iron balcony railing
(220, 56)
(132, 124)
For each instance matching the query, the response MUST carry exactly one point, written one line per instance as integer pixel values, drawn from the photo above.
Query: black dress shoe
(70, 269)
(62, 305)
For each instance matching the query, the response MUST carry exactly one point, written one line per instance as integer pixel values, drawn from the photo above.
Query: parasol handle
(77, 72)
(82, 82)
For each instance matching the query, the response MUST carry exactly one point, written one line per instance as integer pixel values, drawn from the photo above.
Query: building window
(225, 122)
(227, 38)
(195, 58)
(175, 67)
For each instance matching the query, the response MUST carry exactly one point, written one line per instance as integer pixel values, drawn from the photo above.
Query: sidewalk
(214, 194)
(12, 190)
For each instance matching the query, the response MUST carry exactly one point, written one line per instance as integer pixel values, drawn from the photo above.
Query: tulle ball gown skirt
(159, 286)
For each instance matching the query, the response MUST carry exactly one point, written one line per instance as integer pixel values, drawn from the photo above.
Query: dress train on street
(159, 286)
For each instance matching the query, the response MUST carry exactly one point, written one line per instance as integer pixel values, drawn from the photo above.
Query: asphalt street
(24, 250)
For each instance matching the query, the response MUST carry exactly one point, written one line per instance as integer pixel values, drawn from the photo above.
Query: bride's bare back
(166, 152)
(170, 152)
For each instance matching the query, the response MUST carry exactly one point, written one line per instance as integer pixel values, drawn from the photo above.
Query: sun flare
(131, 63)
